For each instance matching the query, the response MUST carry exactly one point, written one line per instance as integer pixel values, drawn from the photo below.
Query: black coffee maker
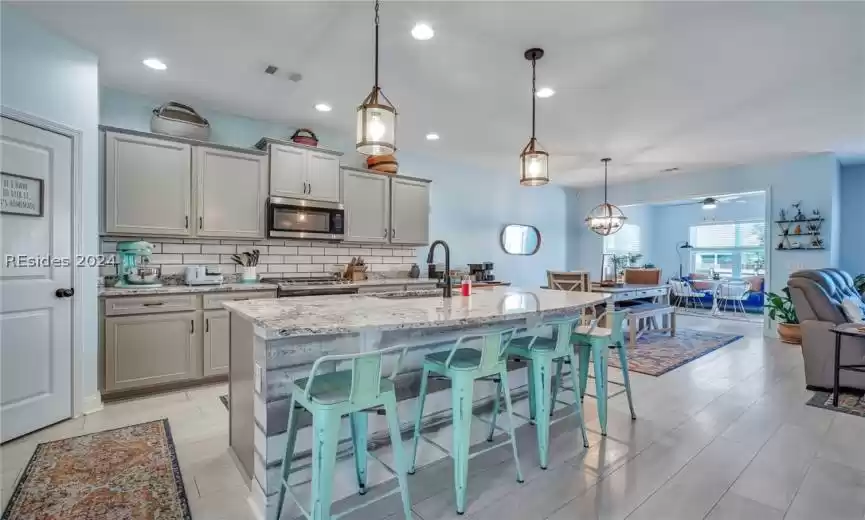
(482, 272)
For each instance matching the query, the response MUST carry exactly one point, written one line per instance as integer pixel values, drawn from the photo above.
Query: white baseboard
(92, 403)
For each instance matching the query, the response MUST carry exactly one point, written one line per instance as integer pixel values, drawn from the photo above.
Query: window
(627, 240)
(731, 249)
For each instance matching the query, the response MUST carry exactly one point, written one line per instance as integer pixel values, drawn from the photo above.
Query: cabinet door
(215, 343)
(322, 177)
(231, 192)
(152, 349)
(147, 185)
(367, 206)
(287, 171)
(409, 216)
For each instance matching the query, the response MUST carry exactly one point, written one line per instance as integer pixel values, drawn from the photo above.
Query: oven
(310, 220)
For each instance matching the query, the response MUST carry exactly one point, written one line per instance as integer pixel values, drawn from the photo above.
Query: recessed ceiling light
(155, 64)
(432, 136)
(323, 107)
(545, 92)
(422, 31)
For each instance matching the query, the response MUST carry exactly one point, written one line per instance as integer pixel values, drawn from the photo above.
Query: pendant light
(534, 160)
(605, 219)
(376, 116)
(710, 203)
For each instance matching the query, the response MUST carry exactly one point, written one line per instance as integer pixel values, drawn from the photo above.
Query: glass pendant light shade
(376, 125)
(534, 165)
(605, 219)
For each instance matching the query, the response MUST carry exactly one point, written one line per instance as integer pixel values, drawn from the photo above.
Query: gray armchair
(817, 296)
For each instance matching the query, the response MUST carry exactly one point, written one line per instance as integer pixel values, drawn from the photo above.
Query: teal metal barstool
(542, 352)
(595, 341)
(329, 397)
(464, 366)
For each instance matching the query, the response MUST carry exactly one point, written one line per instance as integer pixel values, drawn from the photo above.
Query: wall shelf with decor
(800, 225)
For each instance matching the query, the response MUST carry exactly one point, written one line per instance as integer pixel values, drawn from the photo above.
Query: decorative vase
(248, 274)
(790, 333)
(414, 272)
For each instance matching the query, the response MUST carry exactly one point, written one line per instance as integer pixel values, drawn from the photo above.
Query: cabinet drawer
(150, 304)
(214, 301)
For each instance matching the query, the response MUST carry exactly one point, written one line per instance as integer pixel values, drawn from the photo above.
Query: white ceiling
(652, 85)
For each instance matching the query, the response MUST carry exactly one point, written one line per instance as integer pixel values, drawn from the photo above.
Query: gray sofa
(817, 296)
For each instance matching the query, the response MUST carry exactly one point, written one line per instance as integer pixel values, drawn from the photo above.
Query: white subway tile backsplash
(282, 250)
(310, 268)
(200, 240)
(393, 260)
(404, 252)
(222, 248)
(333, 251)
(166, 259)
(172, 269)
(310, 250)
(322, 259)
(344, 259)
(282, 268)
(109, 247)
(372, 260)
(297, 259)
(360, 251)
(238, 242)
(200, 259)
(270, 259)
(181, 248)
(381, 252)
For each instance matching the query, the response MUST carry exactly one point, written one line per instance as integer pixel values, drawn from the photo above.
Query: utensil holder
(248, 274)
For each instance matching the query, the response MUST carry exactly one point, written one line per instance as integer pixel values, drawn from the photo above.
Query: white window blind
(627, 240)
(728, 235)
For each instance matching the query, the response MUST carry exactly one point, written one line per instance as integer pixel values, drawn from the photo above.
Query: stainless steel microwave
(306, 219)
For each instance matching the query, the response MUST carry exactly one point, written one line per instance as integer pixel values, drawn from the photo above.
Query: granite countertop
(108, 292)
(340, 314)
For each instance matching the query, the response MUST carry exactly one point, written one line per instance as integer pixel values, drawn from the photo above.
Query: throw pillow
(852, 310)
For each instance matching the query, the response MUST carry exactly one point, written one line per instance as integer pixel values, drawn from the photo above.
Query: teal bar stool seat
(541, 353)
(596, 342)
(329, 397)
(463, 366)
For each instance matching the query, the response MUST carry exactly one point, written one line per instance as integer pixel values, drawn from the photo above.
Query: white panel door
(367, 206)
(409, 206)
(231, 192)
(147, 186)
(287, 171)
(322, 176)
(35, 322)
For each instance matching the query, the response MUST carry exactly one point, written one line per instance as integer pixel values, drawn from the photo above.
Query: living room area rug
(657, 353)
(850, 403)
(129, 472)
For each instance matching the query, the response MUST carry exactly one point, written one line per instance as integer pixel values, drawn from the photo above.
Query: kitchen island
(275, 341)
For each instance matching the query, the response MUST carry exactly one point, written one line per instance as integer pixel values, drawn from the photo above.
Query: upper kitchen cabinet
(147, 185)
(409, 211)
(302, 172)
(366, 197)
(231, 193)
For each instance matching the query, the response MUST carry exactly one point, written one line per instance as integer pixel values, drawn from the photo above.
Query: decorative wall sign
(21, 195)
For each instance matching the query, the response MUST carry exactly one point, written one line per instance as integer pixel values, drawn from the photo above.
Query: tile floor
(727, 436)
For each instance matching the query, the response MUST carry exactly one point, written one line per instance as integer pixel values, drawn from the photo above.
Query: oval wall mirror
(520, 239)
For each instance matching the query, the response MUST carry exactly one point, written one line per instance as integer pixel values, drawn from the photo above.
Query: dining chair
(330, 396)
(568, 281)
(735, 291)
(464, 365)
(542, 353)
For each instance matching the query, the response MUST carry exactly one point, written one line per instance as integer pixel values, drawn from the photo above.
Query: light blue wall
(470, 206)
(852, 241)
(48, 77)
(812, 179)
(673, 223)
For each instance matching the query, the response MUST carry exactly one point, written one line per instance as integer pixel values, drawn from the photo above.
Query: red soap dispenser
(466, 286)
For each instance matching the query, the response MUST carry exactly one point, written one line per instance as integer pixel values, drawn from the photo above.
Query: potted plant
(782, 311)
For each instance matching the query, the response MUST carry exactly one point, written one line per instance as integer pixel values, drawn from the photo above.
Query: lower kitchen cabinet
(152, 349)
(215, 343)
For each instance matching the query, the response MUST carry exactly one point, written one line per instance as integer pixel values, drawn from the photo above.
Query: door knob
(64, 293)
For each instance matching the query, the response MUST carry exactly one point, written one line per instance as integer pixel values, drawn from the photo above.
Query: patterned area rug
(854, 404)
(224, 400)
(127, 473)
(658, 353)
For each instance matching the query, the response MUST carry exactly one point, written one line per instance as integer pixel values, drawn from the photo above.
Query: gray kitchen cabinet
(152, 349)
(322, 177)
(231, 193)
(215, 343)
(147, 185)
(287, 171)
(409, 211)
(366, 197)
(303, 172)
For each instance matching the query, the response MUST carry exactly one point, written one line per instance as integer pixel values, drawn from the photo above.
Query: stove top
(320, 280)
(310, 286)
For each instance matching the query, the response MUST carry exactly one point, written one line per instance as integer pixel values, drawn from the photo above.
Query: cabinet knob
(64, 293)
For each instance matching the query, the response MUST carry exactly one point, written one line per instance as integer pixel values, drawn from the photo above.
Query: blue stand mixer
(132, 269)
